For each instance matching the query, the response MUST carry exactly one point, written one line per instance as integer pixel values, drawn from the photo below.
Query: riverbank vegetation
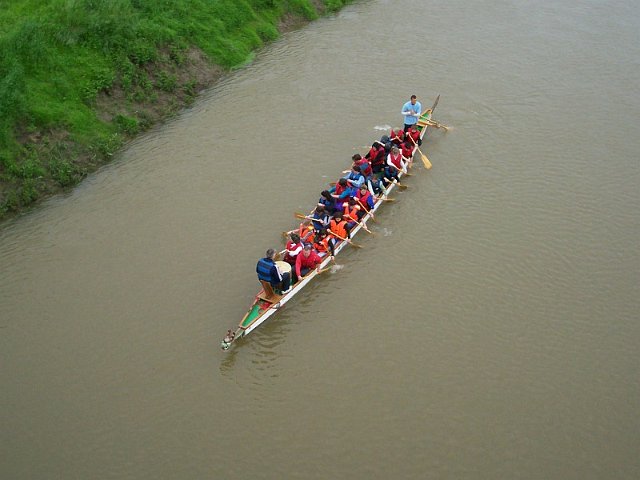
(80, 77)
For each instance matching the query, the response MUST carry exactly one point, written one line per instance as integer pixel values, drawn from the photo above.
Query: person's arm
(370, 202)
(331, 244)
(276, 277)
(348, 229)
(298, 265)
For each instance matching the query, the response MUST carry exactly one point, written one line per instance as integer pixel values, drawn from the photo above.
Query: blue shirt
(414, 109)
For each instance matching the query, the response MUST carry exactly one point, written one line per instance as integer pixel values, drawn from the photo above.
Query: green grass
(78, 77)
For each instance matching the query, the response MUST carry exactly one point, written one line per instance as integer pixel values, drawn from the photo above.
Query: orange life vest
(338, 228)
(353, 214)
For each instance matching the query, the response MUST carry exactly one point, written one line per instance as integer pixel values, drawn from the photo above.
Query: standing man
(411, 112)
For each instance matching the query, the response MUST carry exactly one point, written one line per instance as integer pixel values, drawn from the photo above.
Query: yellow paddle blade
(425, 160)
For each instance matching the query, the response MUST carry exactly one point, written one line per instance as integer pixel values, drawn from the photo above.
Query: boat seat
(267, 292)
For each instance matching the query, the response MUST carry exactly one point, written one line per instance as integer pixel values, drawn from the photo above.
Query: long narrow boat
(264, 306)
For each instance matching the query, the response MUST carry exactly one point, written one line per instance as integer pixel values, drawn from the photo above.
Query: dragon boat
(268, 302)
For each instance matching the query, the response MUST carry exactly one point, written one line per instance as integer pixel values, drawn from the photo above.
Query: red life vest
(396, 160)
(363, 199)
(340, 189)
(365, 167)
(415, 134)
(376, 155)
(291, 247)
(397, 137)
(407, 150)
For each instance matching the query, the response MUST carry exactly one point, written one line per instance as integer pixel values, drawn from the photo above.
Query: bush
(128, 125)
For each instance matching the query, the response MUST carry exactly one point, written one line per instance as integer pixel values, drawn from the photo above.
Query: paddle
(302, 216)
(361, 225)
(425, 160)
(432, 123)
(354, 245)
(398, 184)
(365, 209)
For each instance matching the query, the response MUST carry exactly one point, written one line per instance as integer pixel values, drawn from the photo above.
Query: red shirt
(311, 261)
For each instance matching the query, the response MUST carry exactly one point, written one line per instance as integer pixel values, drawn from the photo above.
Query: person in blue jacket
(268, 271)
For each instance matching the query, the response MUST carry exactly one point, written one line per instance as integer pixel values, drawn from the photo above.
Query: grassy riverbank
(80, 77)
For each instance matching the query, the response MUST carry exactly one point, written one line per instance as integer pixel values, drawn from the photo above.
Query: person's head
(352, 201)
(320, 208)
(394, 149)
(322, 233)
(342, 182)
(271, 253)
(306, 250)
(337, 215)
(295, 238)
(356, 168)
(326, 194)
(363, 189)
(408, 144)
(414, 99)
(356, 157)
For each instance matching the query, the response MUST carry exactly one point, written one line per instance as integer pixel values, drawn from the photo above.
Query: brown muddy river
(488, 331)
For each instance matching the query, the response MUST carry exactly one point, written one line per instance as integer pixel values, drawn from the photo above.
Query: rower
(363, 163)
(351, 212)
(320, 218)
(364, 199)
(327, 200)
(376, 156)
(324, 243)
(413, 133)
(395, 164)
(293, 248)
(307, 261)
(272, 278)
(375, 185)
(355, 178)
(397, 137)
(407, 150)
(341, 190)
(339, 227)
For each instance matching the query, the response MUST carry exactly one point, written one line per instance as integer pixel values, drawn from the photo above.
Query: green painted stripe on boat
(253, 314)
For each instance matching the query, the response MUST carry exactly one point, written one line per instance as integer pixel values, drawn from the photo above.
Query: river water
(489, 330)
